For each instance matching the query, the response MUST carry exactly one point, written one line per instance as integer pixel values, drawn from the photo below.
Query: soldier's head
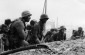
(7, 21)
(26, 16)
(43, 18)
(80, 29)
(52, 30)
(33, 22)
(62, 28)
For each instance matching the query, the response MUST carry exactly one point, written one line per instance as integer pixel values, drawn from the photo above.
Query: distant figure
(74, 34)
(80, 32)
(49, 37)
(60, 35)
(18, 32)
(40, 27)
(77, 34)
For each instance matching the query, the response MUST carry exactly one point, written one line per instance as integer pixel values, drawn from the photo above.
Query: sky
(70, 13)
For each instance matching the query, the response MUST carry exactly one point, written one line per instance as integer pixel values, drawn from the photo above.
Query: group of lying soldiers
(17, 34)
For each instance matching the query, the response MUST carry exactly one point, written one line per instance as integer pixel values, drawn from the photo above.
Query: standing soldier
(18, 31)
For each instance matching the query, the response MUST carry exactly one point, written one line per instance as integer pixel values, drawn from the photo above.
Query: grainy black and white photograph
(42, 27)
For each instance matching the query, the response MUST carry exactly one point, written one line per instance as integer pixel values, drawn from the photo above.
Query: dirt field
(71, 47)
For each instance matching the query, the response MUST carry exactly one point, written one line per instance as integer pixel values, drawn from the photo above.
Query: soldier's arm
(82, 33)
(20, 28)
(65, 36)
(36, 33)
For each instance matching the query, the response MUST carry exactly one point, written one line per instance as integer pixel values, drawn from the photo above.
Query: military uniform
(16, 35)
(18, 31)
(5, 31)
(40, 27)
(61, 35)
(78, 34)
(31, 32)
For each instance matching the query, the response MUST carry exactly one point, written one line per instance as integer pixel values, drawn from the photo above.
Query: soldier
(32, 24)
(61, 34)
(74, 35)
(31, 37)
(7, 22)
(5, 27)
(18, 31)
(5, 32)
(80, 32)
(49, 37)
(40, 27)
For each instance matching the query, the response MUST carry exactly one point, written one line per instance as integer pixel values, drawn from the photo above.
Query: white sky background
(70, 13)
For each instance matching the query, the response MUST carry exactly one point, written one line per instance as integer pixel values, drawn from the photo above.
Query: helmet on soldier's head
(26, 13)
(62, 27)
(44, 16)
(7, 21)
(79, 28)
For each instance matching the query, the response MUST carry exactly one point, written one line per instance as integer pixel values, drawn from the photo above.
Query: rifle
(38, 46)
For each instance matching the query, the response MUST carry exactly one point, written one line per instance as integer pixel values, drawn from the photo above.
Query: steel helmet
(62, 27)
(79, 28)
(7, 21)
(44, 16)
(26, 13)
